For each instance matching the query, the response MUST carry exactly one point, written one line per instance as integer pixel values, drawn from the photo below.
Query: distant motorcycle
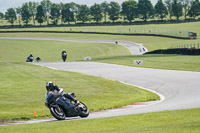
(29, 59)
(60, 110)
(64, 57)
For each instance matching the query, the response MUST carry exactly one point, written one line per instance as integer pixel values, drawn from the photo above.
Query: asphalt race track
(134, 48)
(177, 89)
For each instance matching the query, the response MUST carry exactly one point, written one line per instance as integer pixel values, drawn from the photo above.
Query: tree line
(46, 11)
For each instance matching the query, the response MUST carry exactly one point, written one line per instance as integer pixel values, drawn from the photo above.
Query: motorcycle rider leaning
(56, 91)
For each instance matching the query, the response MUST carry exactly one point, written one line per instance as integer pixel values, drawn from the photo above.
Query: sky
(5, 4)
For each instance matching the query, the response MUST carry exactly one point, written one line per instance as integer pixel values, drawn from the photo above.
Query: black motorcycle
(64, 56)
(60, 109)
(29, 59)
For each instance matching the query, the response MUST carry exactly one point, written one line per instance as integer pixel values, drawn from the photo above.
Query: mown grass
(158, 61)
(108, 53)
(180, 121)
(168, 121)
(151, 43)
(179, 29)
(18, 50)
(22, 88)
(22, 84)
(147, 29)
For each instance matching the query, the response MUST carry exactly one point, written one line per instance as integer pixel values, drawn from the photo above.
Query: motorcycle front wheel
(58, 113)
(84, 110)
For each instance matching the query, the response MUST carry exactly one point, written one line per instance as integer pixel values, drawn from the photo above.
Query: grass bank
(178, 30)
(158, 61)
(22, 84)
(18, 50)
(180, 121)
(151, 43)
(49, 51)
(22, 88)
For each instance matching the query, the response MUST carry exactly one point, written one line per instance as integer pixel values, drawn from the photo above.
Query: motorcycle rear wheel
(58, 113)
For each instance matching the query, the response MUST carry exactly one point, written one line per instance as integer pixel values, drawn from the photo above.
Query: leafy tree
(46, 5)
(129, 10)
(55, 13)
(160, 9)
(40, 14)
(26, 16)
(104, 9)
(195, 9)
(114, 11)
(67, 13)
(177, 9)
(10, 15)
(74, 9)
(19, 14)
(83, 13)
(145, 8)
(33, 10)
(96, 12)
(1, 15)
(61, 5)
(169, 8)
(186, 7)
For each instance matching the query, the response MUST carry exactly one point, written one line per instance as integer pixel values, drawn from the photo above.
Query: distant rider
(38, 59)
(64, 55)
(64, 51)
(30, 58)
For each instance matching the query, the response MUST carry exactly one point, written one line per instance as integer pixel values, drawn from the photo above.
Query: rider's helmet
(31, 54)
(64, 51)
(49, 86)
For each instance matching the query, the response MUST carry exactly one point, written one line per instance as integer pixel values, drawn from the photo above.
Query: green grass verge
(158, 61)
(151, 43)
(179, 30)
(49, 51)
(18, 50)
(180, 121)
(23, 90)
(22, 85)
(21, 75)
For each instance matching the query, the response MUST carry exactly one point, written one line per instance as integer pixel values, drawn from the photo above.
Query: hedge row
(182, 51)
